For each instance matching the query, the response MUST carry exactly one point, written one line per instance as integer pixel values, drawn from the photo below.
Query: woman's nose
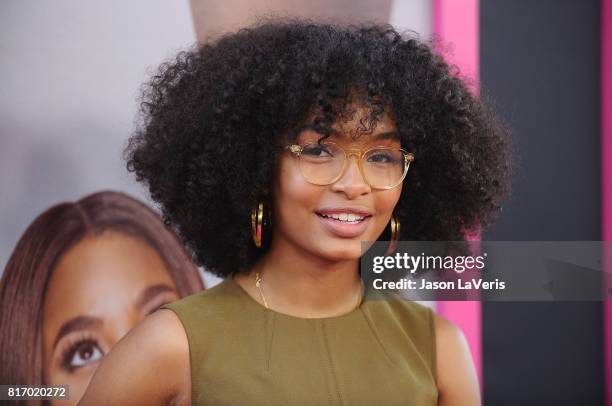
(352, 182)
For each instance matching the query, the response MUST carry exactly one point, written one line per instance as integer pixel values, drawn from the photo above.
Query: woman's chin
(342, 251)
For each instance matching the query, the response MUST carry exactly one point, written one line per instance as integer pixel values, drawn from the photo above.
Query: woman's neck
(302, 284)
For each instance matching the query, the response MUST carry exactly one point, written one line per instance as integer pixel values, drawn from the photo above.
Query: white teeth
(346, 217)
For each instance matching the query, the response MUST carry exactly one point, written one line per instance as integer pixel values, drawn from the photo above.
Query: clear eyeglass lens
(383, 167)
(322, 163)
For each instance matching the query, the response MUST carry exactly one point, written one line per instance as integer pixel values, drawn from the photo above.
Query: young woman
(276, 151)
(81, 276)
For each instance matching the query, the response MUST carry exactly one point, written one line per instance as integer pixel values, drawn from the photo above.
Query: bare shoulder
(457, 379)
(149, 365)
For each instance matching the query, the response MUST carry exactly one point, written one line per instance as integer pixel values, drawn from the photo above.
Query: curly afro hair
(212, 119)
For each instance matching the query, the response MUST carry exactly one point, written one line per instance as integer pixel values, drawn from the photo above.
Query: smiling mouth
(344, 224)
(345, 218)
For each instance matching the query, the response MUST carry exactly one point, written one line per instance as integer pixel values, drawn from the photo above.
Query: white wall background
(412, 15)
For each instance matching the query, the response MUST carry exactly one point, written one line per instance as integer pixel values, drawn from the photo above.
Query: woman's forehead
(350, 136)
(354, 135)
(356, 119)
(354, 123)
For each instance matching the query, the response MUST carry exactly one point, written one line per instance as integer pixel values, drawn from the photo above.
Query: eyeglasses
(323, 163)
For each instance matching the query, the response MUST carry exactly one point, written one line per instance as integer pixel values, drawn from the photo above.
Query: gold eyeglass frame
(296, 151)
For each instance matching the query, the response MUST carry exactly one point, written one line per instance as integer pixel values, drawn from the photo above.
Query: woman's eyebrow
(312, 127)
(387, 135)
(76, 324)
(152, 291)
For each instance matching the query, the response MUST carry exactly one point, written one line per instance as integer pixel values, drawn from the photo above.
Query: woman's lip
(343, 229)
(362, 211)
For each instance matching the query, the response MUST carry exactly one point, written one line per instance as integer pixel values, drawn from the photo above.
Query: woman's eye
(316, 151)
(82, 353)
(382, 158)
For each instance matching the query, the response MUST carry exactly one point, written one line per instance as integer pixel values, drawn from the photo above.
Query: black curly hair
(212, 119)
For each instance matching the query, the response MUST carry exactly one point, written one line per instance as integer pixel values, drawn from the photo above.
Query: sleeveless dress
(381, 353)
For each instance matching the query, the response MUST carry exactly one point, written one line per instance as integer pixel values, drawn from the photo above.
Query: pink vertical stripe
(606, 175)
(456, 23)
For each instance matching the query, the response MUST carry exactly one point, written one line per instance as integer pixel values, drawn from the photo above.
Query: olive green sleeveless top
(381, 353)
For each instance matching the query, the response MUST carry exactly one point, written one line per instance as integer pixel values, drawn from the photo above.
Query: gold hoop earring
(395, 232)
(257, 223)
(259, 220)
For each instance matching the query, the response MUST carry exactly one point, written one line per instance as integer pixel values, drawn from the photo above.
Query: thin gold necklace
(258, 281)
(258, 284)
